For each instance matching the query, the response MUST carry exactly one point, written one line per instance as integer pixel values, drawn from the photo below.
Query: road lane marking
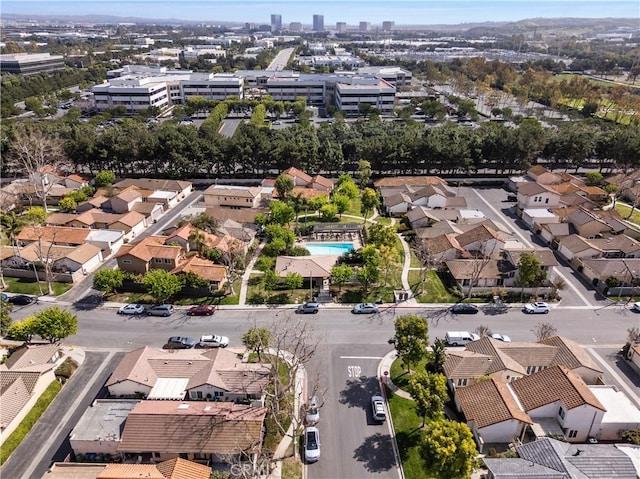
(530, 245)
(361, 357)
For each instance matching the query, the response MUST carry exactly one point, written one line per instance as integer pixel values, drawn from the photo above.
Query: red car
(202, 310)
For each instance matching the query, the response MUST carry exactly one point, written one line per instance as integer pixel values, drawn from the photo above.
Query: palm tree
(299, 204)
(11, 225)
(197, 239)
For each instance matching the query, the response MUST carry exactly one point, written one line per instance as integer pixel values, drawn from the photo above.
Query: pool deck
(356, 242)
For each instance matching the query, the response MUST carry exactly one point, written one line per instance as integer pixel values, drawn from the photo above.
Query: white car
(132, 308)
(635, 307)
(536, 308)
(501, 337)
(365, 308)
(313, 411)
(377, 409)
(311, 444)
(213, 341)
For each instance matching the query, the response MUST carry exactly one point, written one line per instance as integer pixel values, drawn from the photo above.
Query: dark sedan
(180, 342)
(21, 299)
(201, 310)
(464, 308)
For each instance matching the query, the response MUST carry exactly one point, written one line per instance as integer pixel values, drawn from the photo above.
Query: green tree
(364, 172)
(11, 225)
(594, 177)
(368, 274)
(36, 215)
(67, 204)
(530, 272)
(411, 339)
(340, 274)
(5, 317)
(437, 357)
(368, 202)
(104, 178)
(257, 340)
(281, 213)
(206, 223)
(449, 449)
(341, 202)
(271, 280)
(161, 284)
(429, 391)
(293, 280)
(328, 212)
(317, 202)
(54, 324)
(381, 235)
(347, 188)
(23, 330)
(108, 280)
(284, 186)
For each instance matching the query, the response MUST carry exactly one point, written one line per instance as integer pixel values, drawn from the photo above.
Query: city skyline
(403, 12)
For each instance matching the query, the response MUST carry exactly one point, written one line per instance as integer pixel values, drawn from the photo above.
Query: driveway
(48, 440)
(492, 202)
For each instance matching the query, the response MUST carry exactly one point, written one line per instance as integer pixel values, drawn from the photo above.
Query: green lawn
(256, 294)
(399, 374)
(624, 211)
(26, 286)
(409, 436)
(30, 419)
(433, 292)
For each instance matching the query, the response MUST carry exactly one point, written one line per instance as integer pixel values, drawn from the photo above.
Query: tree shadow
(89, 302)
(375, 453)
(358, 392)
(407, 441)
(494, 309)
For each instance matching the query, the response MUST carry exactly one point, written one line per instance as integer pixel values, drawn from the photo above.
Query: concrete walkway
(247, 274)
(406, 267)
(385, 367)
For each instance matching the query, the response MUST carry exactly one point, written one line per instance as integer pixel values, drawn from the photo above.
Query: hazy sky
(350, 11)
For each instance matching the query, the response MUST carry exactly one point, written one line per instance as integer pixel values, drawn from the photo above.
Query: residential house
(151, 211)
(59, 235)
(535, 195)
(176, 468)
(422, 217)
(438, 229)
(544, 255)
(224, 243)
(150, 253)
(232, 196)
(196, 374)
(25, 375)
(634, 355)
(215, 274)
(75, 181)
(574, 357)
(99, 429)
(244, 216)
(575, 246)
(481, 241)
(181, 188)
(131, 224)
(552, 233)
(588, 224)
(316, 182)
(534, 218)
(492, 412)
(601, 271)
(442, 248)
(163, 430)
(397, 204)
(125, 200)
(315, 269)
(628, 184)
(560, 402)
(412, 181)
(466, 367)
(549, 458)
(618, 246)
(100, 202)
(479, 274)
(543, 176)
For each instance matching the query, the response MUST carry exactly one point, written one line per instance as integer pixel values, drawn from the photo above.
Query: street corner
(74, 352)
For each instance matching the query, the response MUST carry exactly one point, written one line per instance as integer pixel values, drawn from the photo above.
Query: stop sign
(386, 373)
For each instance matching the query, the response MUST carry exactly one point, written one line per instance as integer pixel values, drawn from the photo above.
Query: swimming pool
(328, 248)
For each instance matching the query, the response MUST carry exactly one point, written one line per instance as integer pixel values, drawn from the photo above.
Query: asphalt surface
(48, 440)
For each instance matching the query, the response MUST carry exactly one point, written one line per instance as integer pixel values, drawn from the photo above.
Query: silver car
(313, 411)
(311, 444)
(365, 308)
(377, 409)
(160, 310)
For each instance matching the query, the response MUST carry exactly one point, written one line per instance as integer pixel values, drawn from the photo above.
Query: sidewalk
(385, 366)
(247, 274)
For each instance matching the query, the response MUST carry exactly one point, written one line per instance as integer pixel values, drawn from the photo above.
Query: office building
(354, 96)
(388, 26)
(276, 23)
(318, 23)
(365, 26)
(341, 27)
(295, 27)
(31, 63)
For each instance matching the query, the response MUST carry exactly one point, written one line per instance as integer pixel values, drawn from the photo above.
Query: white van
(459, 338)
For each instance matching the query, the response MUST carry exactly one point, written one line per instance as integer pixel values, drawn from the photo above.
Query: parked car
(22, 299)
(132, 308)
(365, 308)
(377, 409)
(313, 411)
(308, 308)
(311, 444)
(213, 341)
(160, 310)
(636, 307)
(202, 310)
(501, 337)
(459, 338)
(512, 198)
(536, 308)
(4, 297)
(180, 342)
(464, 308)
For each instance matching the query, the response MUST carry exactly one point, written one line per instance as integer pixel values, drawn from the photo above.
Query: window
(546, 200)
(156, 454)
(126, 261)
(466, 282)
(562, 414)
(167, 260)
(462, 382)
(572, 433)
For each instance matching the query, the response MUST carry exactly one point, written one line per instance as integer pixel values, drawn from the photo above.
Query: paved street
(48, 439)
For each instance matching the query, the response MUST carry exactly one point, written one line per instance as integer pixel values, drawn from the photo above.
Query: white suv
(213, 341)
(536, 308)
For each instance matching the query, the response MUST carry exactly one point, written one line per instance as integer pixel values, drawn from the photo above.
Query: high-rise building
(365, 26)
(318, 23)
(341, 27)
(276, 22)
(388, 26)
(295, 27)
